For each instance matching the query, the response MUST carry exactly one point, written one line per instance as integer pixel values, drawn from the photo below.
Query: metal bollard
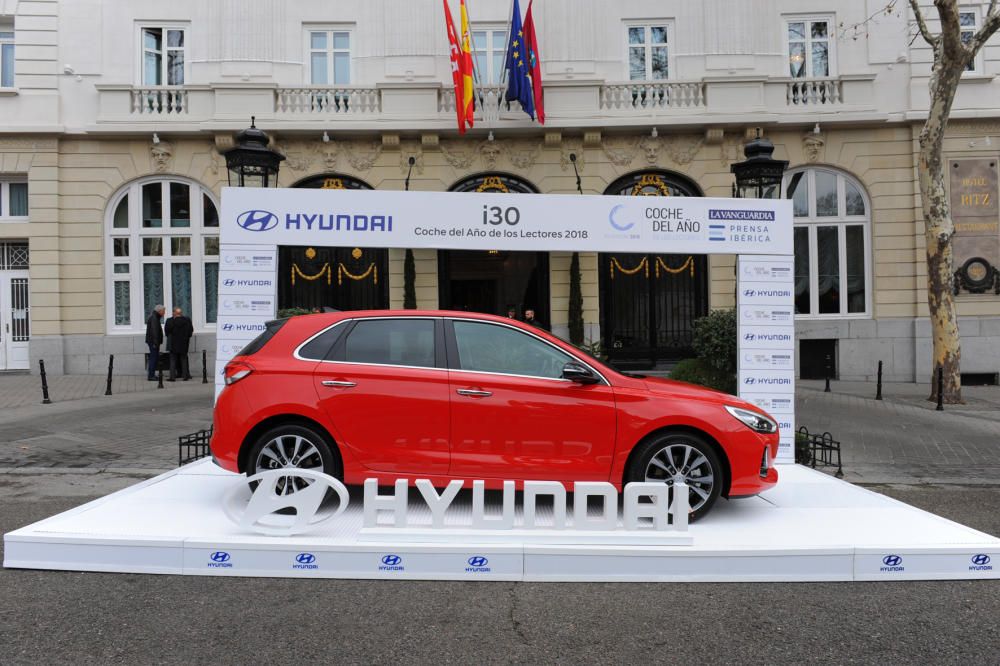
(827, 389)
(159, 378)
(878, 388)
(940, 389)
(204, 366)
(111, 366)
(45, 383)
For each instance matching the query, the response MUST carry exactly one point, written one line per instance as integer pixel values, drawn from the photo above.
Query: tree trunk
(409, 281)
(939, 230)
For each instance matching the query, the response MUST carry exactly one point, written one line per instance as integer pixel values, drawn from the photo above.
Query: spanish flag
(465, 67)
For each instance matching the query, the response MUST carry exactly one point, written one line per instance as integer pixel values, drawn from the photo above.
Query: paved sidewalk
(23, 390)
(902, 439)
(123, 433)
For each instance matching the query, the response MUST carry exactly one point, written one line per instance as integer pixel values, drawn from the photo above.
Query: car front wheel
(661, 458)
(292, 447)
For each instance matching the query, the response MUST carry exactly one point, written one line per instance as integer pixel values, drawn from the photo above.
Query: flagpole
(475, 69)
(506, 56)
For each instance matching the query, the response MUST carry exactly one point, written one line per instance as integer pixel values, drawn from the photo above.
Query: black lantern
(759, 176)
(251, 163)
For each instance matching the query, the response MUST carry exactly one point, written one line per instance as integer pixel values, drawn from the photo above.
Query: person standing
(529, 318)
(154, 338)
(179, 330)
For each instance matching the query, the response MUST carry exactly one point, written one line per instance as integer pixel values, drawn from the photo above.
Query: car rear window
(255, 345)
(319, 347)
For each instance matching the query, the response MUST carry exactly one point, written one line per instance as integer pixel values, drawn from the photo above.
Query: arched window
(163, 247)
(832, 241)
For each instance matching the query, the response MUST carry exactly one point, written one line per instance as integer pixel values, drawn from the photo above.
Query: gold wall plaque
(974, 209)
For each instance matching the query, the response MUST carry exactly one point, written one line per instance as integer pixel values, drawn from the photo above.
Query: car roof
(360, 314)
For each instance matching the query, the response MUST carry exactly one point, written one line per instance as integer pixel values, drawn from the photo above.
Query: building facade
(114, 114)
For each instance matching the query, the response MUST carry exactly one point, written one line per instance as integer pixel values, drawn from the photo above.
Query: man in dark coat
(179, 330)
(154, 338)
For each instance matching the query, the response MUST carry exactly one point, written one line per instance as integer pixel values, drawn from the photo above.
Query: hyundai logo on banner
(767, 337)
(391, 563)
(770, 381)
(305, 561)
(252, 328)
(246, 284)
(257, 220)
(893, 564)
(220, 559)
(478, 564)
(981, 562)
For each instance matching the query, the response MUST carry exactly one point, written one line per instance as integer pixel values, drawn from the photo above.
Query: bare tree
(951, 56)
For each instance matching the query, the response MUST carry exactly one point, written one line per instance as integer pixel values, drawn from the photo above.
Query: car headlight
(753, 420)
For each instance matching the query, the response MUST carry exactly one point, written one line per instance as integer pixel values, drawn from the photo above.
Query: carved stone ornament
(161, 154)
(490, 151)
(362, 155)
(650, 147)
(296, 157)
(328, 153)
(730, 150)
(682, 149)
(523, 154)
(457, 157)
(812, 146)
(620, 150)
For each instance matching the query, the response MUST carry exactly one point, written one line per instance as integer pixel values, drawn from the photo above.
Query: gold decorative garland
(325, 270)
(342, 270)
(643, 265)
(674, 271)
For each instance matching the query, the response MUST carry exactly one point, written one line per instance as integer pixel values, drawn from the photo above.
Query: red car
(444, 395)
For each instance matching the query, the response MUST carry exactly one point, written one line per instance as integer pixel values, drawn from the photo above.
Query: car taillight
(235, 371)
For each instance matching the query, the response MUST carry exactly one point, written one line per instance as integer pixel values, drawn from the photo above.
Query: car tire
(276, 449)
(658, 458)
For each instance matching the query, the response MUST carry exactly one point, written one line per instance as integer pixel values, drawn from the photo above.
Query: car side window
(392, 342)
(486, 347)
(319, 347)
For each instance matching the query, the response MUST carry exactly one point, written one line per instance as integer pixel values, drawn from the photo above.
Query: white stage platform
(811, 527)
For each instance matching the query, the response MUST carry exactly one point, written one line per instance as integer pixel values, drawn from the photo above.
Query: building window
(489, 48)
(648, 51)
(162, 56)
(330, 57)
(810, 47)
(6, 55)
(13, 200)
(163, 248)
(968, 21)
(832, 238)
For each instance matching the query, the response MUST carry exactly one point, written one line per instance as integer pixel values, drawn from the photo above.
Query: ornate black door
(342, 278)
(650, 301)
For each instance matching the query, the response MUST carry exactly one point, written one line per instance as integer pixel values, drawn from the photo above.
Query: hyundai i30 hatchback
(454, 395)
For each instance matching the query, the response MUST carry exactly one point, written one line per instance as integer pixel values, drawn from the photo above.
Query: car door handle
(338, 383)
(475, 393)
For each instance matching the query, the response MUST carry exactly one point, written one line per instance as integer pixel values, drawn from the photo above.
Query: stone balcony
(431, 105)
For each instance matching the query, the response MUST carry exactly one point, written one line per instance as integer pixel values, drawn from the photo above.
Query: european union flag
(519, 65)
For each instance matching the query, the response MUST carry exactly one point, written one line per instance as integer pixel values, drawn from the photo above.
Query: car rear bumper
(230, 424)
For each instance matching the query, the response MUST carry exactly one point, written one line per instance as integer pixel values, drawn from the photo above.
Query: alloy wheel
(689, 462)
(289, 452)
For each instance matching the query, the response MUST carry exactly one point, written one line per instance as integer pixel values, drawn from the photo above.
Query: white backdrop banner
(255, 222)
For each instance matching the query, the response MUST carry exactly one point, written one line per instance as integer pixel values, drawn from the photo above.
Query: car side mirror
(579, 373)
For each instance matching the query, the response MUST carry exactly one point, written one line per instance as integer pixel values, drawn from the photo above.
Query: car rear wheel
(662, 457)
(292, 447)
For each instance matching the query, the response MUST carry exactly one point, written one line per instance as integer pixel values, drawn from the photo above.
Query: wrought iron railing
(193, 447)
(821, 450)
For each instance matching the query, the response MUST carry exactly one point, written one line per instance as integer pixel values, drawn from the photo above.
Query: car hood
(675, 388)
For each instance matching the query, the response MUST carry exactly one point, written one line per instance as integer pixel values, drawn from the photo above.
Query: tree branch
(922, 24)
(991, 23)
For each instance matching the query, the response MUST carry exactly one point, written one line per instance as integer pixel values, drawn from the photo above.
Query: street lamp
(251, 163)
(759, 176)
